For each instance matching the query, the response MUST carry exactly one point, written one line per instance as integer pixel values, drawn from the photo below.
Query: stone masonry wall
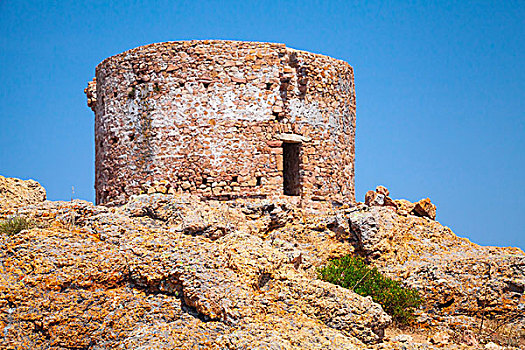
(211, 117)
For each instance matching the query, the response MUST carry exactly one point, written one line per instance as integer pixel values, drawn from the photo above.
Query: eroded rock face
(174, 272)
(15, 193)
(167, 271)
(460, 281)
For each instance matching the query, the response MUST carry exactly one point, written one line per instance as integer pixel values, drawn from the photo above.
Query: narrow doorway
(291, 166)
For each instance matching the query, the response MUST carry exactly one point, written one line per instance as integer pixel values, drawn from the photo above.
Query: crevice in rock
(211, 232)
(39, 328)
(514, 288)
(446, 303)
(150, 212)
(170, 285)
(264, 278)
(194, 232)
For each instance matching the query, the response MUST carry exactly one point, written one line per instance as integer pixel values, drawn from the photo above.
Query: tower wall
(210, 118)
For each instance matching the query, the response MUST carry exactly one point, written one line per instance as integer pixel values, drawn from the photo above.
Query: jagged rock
(132, 276)
(459, 280)
(379, 198)
(382, 190)
(370, 198)
(374, 237)
(15, 193)
(404, 207)
(389, 202)
(171, 271)
(425, 208)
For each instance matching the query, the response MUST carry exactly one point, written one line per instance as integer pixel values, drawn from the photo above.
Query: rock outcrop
(16, 193)
(380, 198)
(174, 272)
(465, 286)
(169, 271)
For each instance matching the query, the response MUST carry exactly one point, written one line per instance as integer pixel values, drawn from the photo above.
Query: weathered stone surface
(380, 198)
(206, 116)
(15, 193)
(425, 208)
(461, 282)
(404, 207)
(382, 190)
(389, 202)
(370, 198)
(172, 271)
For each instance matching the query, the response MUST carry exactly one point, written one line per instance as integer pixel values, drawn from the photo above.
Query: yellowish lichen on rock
(173, 271)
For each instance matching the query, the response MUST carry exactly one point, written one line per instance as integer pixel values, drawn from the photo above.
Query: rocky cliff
(174, 272)
(15, 193)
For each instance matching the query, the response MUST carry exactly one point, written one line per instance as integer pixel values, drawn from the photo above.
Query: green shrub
(14, 225)
(353, 273)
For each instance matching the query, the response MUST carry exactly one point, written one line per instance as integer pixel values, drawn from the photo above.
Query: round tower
(224, 119)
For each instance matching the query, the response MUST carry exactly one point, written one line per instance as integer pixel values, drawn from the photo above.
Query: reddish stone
(389, 202)
(238, 80)
(382, 190)
(425, 208)
(277, 109)
(274, 143)
(228, 130)
(370, 197)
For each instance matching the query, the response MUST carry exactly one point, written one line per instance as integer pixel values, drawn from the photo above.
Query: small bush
(353, 273)
(14, 225)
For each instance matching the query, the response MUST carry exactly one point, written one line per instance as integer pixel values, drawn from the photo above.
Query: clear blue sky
(440, 90)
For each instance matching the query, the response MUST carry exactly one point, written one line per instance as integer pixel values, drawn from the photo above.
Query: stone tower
(224, 119)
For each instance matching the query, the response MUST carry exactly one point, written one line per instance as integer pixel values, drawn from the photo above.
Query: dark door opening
(291, 166)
